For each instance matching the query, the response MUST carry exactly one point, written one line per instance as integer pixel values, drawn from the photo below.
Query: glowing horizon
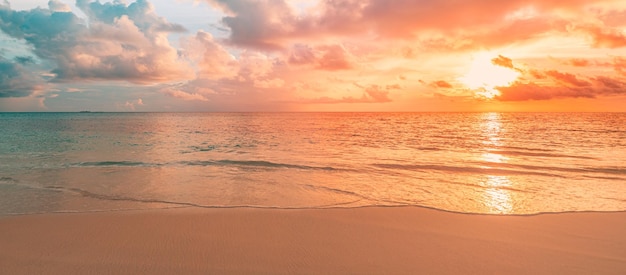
(297, 55)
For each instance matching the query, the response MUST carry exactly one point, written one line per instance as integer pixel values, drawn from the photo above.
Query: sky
(313, 55)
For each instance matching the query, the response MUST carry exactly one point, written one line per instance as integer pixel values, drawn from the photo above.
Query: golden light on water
(496, 198)
(494, 158)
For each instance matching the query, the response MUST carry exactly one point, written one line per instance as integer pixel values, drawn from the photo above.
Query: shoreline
(199, 207)
(373, 240)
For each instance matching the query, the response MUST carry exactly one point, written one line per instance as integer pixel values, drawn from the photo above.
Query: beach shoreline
(369, 240)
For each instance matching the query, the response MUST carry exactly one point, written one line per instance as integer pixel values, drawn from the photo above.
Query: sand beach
(370, 240)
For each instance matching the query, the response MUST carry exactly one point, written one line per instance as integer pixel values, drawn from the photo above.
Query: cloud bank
(282, 51)
(117, 42)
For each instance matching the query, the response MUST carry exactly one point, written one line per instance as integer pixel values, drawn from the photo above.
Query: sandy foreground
(375, 240)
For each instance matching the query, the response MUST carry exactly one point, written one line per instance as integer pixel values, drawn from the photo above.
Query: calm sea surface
(466, 162)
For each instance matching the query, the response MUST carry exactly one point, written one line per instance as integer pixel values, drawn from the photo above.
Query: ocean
(490, 163)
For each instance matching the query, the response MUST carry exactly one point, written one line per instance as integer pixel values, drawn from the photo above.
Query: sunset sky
(312, 55)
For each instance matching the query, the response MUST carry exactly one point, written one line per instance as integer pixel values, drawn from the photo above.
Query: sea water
(510, 163)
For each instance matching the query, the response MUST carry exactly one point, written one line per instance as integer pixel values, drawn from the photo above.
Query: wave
(608, 170)
(203, 148)
(428, 148)
(113, 163)
(526, 149)
(177, 204)
(339, 192)
(359, 201)
(93, 195)
(256, 163)
(482, 186)
(226, 162)
(462, 169)
(7, 180)
(537, 154)
(599, 170)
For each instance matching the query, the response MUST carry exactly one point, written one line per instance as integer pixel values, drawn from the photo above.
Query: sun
(484, 76)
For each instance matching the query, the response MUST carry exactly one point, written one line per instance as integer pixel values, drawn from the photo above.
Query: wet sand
(372, 240)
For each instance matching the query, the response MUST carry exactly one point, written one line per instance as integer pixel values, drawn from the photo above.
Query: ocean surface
(509, 163)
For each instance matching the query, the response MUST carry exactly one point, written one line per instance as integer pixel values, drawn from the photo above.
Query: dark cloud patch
(49, 32)
(258, 24)
(613, 84)
(17, 81)
(119, 41)
(24, 60)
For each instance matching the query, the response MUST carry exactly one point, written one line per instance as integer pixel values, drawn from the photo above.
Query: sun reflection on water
(494, 158)
(496, 197)
(491, 127)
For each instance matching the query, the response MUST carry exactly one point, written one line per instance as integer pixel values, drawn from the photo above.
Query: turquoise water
(467, 162)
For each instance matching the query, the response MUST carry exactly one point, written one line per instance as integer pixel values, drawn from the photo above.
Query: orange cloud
(567, 78)
(594, 87)
(604, 37)
(553, 84)
(441, 84)
(619, 64)
(275, 51)
(503, 61)
(578, 62)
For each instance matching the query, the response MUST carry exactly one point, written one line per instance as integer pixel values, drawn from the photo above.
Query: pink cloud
(274, 25)
(567, 78)
(185, 96)
(323, 57)
(274, 52)
(131, 105)
(371, 94)
(213, 60)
